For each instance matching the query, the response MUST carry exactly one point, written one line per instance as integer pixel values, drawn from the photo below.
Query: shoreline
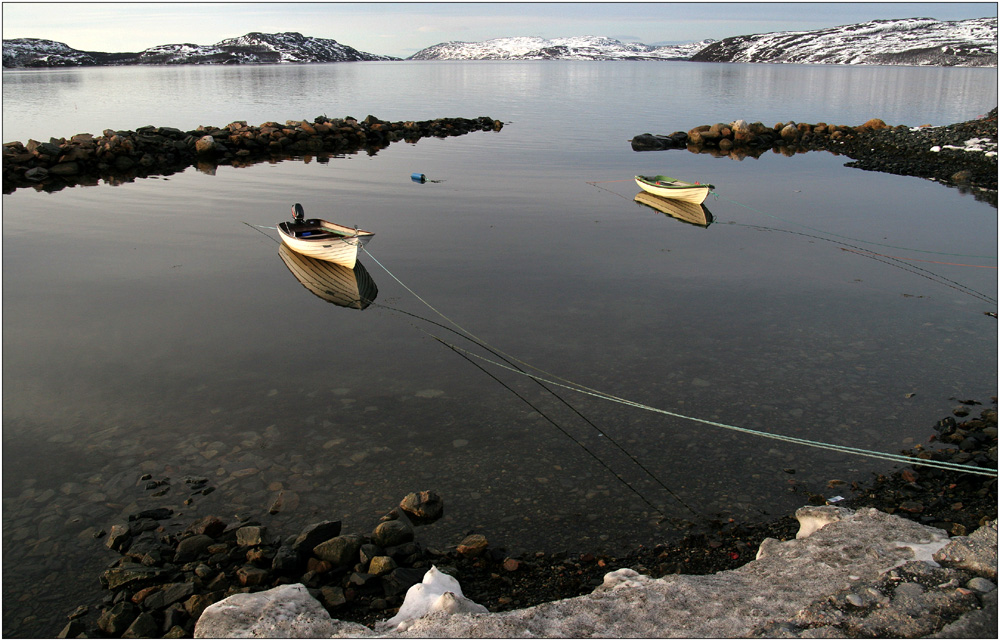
(167, 576)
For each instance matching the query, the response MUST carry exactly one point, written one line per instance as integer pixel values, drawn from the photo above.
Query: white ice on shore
(852, 550)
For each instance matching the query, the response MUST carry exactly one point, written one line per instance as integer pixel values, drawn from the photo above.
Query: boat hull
(337, 284)
(323, 240)
(690, 213)
(677, 190)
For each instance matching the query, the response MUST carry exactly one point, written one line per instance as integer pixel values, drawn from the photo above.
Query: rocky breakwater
(962, 155)
(122, 156)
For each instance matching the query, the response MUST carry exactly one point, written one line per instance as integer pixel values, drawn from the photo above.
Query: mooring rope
(858, 240)
(583, 389)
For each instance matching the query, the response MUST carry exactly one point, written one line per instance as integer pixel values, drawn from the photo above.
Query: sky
(401, 29)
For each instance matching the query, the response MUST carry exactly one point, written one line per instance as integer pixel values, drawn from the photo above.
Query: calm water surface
(146, 329)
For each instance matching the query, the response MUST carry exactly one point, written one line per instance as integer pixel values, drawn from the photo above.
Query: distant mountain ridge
(573, 48)
(252, 48)
(911, 41)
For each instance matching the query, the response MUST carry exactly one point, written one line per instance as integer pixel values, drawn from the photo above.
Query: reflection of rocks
(121, 156)
(958, 155)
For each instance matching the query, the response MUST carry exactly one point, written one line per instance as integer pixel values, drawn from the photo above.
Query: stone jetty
(962, 154)
(122, 156)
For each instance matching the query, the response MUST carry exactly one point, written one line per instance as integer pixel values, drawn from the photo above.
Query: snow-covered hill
(911, 41)
(574, 48)
(253, 48)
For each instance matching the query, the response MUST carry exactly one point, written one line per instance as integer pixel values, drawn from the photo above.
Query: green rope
(867, 242)
(583, 389)
(899, 458)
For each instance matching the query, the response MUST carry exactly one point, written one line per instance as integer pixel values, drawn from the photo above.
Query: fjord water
(148, 330)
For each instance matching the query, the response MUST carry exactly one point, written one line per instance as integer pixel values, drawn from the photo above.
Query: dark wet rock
(313, 535)
(422, 507)
(143, 627)
(399, 580)
(189, 548)
(119, 537)
(473, 545)
(392, 533)
(116, 620)
(211, 526)
(341, 551)
(250, 535)
(129, 573)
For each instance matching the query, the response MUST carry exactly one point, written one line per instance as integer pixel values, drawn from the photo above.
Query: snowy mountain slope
(574, 48)
(36, 52)
(252, 48)
(912, 41)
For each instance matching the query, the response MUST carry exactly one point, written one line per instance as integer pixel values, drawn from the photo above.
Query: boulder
(423, 507)
(392, 533)
(190, 548)
(341, 551)
(250, 535)
(206, 146)
(314, 534)
(473, 545)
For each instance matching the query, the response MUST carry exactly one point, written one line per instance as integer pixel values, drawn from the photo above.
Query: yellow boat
(668, 187)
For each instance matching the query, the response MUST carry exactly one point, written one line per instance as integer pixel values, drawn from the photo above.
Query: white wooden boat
(668, 187)
(683, 211)
(337, 284)
(322, 239)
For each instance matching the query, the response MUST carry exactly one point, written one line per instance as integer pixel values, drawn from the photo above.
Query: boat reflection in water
(682, 211)
(333, 283)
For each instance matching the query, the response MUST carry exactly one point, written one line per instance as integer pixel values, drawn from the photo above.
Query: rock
(380, 565)
(36, 174)
(874, 123)
(647, 142)
(741, 131)
(392, 533)
(197, 603)
(473, 545)
(314, 534)
(287, 611)
(144, 627)
(168, 595)
(789, 133)
(423, 507)
(130, 574)
(118, 538)
(116, 620)
(979, 584)
(156, 514)
(190, 548)
(250, 535)
(341, 551)
(976, 552)
(72, 630)
(206, 146)
(65, 169)
(285, 559)
(399, 580)
(250, 576)
(332, 596)
(211, 526)
(962, 176)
